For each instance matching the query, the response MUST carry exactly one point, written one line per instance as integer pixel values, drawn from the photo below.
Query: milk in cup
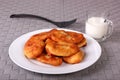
(96, 27)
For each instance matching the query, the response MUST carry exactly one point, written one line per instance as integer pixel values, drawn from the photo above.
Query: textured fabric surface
(106, 68)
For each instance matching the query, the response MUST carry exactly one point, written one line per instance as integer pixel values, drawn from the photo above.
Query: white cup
(99, 28)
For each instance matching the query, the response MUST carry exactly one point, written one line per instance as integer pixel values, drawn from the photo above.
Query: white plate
(92, 54)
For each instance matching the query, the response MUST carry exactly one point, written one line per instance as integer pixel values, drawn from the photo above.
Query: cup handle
(110, 29)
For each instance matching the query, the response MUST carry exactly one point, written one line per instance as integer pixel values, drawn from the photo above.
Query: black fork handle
(31, 16)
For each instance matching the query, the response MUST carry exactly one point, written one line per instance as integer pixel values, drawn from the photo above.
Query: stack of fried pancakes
(55, 46)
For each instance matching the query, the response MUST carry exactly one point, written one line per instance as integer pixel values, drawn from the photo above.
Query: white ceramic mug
(99, 28)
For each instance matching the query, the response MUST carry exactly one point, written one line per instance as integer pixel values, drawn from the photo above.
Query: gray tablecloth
(106, 68)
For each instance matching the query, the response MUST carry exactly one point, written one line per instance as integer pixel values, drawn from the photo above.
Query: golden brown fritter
(33, 48)
(49, 59)
(61, 49)
(76, 58)
(74, 37)
(66, 36)
(82, 43)
(41, 36)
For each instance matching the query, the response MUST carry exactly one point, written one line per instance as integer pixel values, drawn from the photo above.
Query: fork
(58, 24)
